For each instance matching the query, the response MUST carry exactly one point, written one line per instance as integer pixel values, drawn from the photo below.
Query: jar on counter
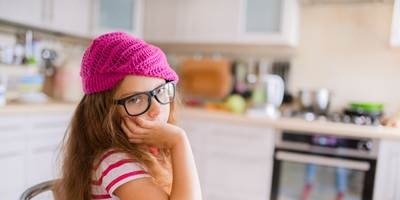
(67, 84)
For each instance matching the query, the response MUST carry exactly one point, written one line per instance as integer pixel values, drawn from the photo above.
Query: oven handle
(322, 160)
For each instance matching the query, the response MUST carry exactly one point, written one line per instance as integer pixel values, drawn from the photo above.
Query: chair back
(37, 189)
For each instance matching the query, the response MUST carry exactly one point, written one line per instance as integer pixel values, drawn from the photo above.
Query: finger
(133, 127)
(136, 140)
(145, 123)
(126, 126)
(126, 130)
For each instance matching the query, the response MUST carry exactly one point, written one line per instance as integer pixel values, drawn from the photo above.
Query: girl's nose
(154, 110)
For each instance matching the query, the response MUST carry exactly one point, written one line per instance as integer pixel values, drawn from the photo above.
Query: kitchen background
(339, 62)
(344, 47)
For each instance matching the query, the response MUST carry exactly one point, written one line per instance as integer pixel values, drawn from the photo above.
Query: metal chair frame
(37, 189)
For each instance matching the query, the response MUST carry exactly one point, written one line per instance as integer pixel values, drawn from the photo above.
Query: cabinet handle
(46, 149)
(396, 162)
(324, 161)
(45, 125)
(51, 12)
(9, 154)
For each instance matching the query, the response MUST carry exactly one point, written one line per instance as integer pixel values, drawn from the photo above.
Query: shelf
(18, 70)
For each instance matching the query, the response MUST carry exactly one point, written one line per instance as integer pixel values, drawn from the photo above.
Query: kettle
(274, 88)
(268, 95)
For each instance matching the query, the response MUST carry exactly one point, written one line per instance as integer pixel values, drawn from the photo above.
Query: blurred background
(321, 75)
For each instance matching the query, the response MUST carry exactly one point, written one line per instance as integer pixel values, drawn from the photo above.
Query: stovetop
(365, 120)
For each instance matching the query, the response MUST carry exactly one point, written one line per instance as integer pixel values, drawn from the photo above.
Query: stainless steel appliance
(316, 101)
(309, 166)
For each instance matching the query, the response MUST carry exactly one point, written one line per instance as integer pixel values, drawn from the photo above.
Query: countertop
(289, 124)
(52, 106)
(299, 125)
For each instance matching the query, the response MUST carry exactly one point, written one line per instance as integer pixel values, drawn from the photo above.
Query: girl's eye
(161, 90)
(134, 100)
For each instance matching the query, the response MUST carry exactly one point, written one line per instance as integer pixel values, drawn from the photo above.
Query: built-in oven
(322, 167)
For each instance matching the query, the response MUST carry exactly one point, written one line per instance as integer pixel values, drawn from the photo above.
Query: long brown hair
(95, 128)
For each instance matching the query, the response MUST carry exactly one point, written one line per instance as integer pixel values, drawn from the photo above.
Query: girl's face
(136, 105)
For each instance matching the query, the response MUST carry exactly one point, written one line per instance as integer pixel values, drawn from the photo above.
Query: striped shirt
(111, 170)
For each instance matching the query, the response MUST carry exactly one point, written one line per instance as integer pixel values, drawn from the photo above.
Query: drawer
(239, 141)
(230, 174)
(13, 127)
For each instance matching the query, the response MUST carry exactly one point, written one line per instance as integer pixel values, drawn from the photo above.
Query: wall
(345, 48)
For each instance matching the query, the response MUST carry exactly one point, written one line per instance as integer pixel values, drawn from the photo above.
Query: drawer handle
(10, 154)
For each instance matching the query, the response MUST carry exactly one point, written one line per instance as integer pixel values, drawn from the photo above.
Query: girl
(122, 142)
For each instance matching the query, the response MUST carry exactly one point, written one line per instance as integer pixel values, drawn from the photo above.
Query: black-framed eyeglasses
(140, 103)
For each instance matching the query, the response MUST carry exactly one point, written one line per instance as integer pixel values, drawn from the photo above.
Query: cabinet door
(263, 16)
(72, 16)
(42, 159)
(270, 22)
(191, 21)
(197, 134)
(239, 160)
(30, 12)
(222, 21)
(161, 20)
(395, 39)
(12, 173)
(213, 21)
(387, 177)
(12, 155)
(43, 147)
(118, 15)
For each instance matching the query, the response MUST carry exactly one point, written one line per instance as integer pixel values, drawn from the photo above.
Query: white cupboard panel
(72, 16)
(24, 11)
(42, 159)
(12, 169)
(387, 177)
(117, 15)
(395, 39)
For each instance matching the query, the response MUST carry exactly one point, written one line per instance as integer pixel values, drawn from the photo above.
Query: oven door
(299, 175)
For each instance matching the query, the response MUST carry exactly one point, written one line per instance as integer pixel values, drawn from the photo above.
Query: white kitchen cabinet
(234, 160)
(12, 156)
(395, 38)
(387, 177)
(117, 15)
(32, 12)
(43, 146)
(221, 21)
(191, 21)
(239, 160)
(162, 20)
(29, 147)
(12, 173)
(71, 16)
(213, 21)
(270, 22)
(197, 134)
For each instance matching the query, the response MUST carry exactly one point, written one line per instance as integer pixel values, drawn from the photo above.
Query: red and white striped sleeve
(113, 169)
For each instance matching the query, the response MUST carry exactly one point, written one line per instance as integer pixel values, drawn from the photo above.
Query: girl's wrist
(179, 138)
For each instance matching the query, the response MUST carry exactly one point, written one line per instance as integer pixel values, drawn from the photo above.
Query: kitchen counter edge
(287, 124)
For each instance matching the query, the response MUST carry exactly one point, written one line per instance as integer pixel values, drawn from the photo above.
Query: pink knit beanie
(112, 56)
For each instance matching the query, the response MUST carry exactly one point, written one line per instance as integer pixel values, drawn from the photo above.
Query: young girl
(122, 142)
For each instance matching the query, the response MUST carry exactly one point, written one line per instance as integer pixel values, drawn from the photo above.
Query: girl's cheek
(164, 115)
